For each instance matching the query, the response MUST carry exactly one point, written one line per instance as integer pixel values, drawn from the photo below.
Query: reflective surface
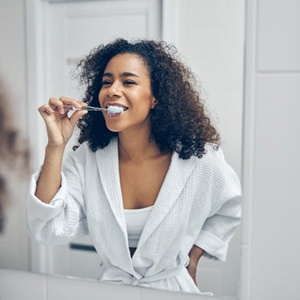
(200, 45)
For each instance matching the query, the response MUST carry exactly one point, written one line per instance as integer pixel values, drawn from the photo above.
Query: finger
(46, 108)
(72, 102)
(76, 116)
(56, 104)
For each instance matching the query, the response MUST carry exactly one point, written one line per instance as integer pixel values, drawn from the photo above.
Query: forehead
(129, 62)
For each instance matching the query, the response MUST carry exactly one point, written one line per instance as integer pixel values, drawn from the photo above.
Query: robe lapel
(108, 166)
(175, 180)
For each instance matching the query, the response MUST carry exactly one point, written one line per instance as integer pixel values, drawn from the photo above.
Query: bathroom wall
(14, 252)
(271, 233)
(210, 36)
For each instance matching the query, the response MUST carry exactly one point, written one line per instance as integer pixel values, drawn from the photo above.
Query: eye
(106, 82)
(128, 82)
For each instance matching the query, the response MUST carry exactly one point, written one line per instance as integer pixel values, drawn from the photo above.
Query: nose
(114, 90)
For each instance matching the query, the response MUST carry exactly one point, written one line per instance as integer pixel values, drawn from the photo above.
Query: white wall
(210, 36)
(13, 241)
(271, 240)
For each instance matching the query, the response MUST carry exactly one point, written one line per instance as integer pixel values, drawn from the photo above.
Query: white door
(72, 30)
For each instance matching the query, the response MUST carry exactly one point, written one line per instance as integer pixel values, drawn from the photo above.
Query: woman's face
(126, 83)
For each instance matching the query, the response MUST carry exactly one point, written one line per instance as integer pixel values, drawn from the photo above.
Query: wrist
(55, 149)
(196, 252)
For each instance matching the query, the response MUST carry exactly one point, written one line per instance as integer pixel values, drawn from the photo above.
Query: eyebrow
(124, 74)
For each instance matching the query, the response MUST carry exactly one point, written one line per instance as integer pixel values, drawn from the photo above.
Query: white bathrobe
(199, 203)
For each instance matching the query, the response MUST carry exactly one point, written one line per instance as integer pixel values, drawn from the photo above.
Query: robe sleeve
(220, 226)
(63, 219)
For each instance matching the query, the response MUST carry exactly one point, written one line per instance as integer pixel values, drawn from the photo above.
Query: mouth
(114, 110)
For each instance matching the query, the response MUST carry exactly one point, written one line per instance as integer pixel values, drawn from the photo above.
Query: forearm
(49, 180)
(195, 254)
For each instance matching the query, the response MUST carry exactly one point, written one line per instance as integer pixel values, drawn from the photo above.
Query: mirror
(209, 34)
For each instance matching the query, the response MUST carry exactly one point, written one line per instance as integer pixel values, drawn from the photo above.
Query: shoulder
(78, 156)
(82, 149)
(213, 160)
(213, 167)
(84, 154)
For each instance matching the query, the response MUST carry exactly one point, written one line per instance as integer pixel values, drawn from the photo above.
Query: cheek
(142, 100)
(145, 97)
(100, 96)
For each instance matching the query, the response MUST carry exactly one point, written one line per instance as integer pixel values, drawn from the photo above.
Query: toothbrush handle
(88, 108)
(92, 108)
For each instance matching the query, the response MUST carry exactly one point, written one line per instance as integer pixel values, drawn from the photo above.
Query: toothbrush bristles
(112, 109)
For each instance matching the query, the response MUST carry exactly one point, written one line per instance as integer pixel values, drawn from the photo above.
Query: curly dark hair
(178, 121)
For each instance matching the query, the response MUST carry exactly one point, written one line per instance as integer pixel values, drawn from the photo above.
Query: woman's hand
(194, 255)
(59, 129)
(59, 125)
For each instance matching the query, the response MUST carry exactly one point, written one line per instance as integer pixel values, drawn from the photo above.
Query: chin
(113, 128)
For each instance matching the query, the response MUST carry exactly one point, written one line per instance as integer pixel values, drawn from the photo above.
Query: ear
(154, 102)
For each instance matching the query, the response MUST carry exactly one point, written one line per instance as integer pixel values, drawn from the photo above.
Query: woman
(150, 185)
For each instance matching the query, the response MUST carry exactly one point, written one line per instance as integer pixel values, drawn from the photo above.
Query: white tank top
(135, 223)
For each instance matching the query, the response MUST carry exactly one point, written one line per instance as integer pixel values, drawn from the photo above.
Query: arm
(63, 219)
(195, 254)
(50, 177)
(59, 130)
(225, 209)
(53, 214)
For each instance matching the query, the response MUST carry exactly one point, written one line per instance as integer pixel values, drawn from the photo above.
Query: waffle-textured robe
(199, 203)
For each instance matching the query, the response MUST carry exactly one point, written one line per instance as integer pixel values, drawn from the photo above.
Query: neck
(138, 148)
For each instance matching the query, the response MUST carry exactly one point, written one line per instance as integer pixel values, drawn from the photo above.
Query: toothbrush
(111, 109)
